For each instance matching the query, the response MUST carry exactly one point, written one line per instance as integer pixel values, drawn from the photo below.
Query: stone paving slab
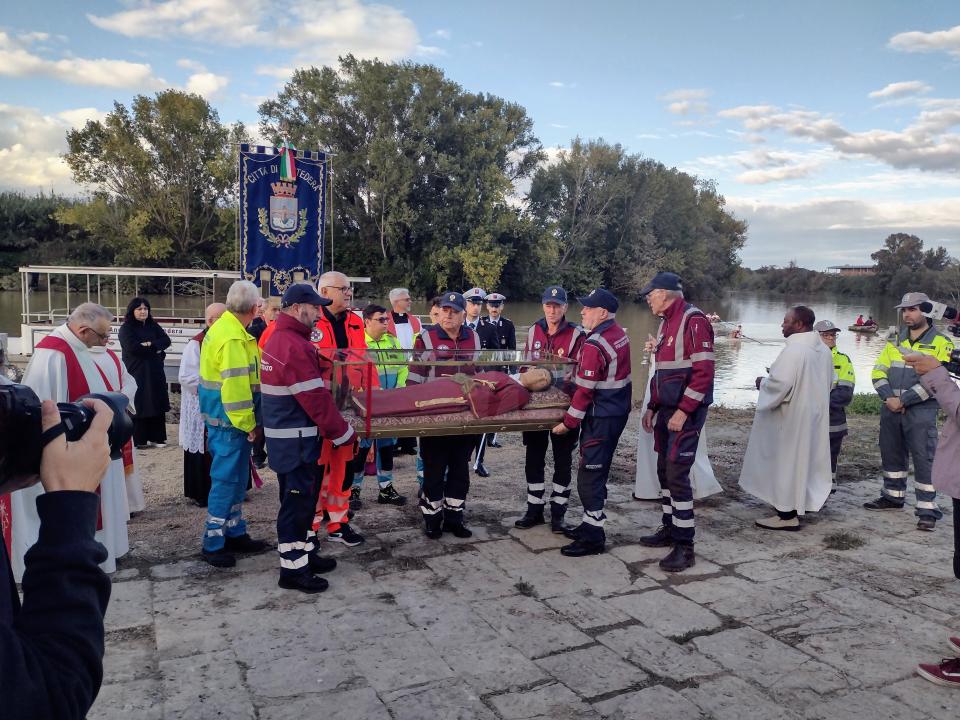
(657, 654)
(587, 611)
(448, 699)
(656, 703)
(593, 671)
(552, 701)
(530, 626)
(668, 614)
(342, 705)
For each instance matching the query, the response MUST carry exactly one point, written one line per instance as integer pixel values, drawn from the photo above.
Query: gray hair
(397, 293)
(88, 313)
(674, 294)
(242, 297)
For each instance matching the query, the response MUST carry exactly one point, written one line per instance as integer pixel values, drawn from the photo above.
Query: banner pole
(330, 212)
(236, 234)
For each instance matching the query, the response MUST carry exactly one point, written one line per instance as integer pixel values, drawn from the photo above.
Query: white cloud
(561, 84)
(203, 82)
(31, 145)
(786, 172)
(901, 89)
(430, 51)
(18, 60)
(441, 33)
(687, 101)
(926, 144)
(832, 231)
(317, 30)
(940, 41)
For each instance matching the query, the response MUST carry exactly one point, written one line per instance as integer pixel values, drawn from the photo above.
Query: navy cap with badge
(302, 293)
(554, 294)
(601, 298)
(663, 281)
(453, 300)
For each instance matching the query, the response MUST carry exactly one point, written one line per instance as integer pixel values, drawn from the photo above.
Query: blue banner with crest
(282, 211)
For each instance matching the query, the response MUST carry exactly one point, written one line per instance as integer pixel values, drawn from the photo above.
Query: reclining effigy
(485, 402)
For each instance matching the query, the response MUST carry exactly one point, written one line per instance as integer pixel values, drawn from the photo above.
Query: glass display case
(444, 391)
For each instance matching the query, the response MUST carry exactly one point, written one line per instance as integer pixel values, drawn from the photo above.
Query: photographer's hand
(921, 362)
(77, 465)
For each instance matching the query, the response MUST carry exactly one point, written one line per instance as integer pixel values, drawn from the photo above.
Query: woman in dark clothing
(144, 343)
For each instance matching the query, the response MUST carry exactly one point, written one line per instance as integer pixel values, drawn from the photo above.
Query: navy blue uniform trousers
(598, 442)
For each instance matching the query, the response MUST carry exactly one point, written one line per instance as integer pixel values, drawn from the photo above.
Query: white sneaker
(156, 445)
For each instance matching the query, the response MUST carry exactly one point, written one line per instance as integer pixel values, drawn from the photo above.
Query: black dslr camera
(22, 438)
(938, 311)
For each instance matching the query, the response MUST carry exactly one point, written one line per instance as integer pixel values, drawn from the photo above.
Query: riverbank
(502, 626)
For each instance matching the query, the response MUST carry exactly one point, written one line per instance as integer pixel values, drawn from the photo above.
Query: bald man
(338, 329)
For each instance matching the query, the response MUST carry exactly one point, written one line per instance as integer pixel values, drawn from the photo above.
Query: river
(738, 362)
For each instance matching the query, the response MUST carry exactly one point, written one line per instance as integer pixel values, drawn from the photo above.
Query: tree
(901, 260)
(160, 173)
(421, 167)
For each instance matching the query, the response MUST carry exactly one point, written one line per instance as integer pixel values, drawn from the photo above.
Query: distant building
(850, 270)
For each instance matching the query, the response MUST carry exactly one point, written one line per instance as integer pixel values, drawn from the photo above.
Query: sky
(825, 125)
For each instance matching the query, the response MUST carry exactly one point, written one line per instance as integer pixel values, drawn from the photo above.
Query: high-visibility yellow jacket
(390, 359)
(892, 377)
(230, 376)
(841, 394)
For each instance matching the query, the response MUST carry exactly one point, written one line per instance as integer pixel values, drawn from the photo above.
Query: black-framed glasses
(381, 320)
(341, 288)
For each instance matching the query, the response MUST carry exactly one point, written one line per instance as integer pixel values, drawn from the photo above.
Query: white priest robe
(787, 462)
(47, 376)
(127, 385)
(191, 422)
(647, 486)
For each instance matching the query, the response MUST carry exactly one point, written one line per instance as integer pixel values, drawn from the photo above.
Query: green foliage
(620, 218)
(31, 232)
(160, 172)
(865, 404)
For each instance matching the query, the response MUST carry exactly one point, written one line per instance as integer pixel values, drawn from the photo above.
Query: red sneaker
(954, 643)
(947, 673)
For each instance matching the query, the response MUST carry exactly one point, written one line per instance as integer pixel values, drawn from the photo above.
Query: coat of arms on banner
(283, 225)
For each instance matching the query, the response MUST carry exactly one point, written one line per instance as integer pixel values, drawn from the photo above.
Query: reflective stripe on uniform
(694, 395)
(838, 428)
(578, 414)
(683, 505)
(926, 505)
(683, 522)
(534, 500)
(294, 564)
(921, 392)
(239, 405)
(700, 356)
(292, 389)
(236, 372)
(279, 433)
(895, 473)
(924, 487)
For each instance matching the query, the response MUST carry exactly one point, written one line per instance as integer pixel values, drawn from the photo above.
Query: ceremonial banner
(282, 211)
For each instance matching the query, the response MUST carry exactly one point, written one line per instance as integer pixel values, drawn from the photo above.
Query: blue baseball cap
(554, 294)
(302, 293)
(453, 300)
(663, 281)
(602, 298)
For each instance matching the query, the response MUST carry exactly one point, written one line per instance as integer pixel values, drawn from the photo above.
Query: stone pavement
(767, 625)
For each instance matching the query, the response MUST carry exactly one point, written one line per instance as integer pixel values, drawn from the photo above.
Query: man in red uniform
(599, 408)
(298, 411)
(446, 471)
(681, 390)
(551, 336)
(339, 329)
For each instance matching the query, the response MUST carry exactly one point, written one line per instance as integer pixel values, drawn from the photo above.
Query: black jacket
(146, 365)
(489, 339)
(506, 333)
(51, 649)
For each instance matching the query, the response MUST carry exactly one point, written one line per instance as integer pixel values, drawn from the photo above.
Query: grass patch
(865, 404)
(842, 540)
(525, 588)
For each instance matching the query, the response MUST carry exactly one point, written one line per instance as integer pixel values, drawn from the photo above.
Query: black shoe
(579, 548)
(530, 520)
(245, 544)
(457, 529)
(389, 496)
(494, 444)
(220, 558)
(434, 533)
(680, 558)
(661, 538)
(321, 564)
(350, 514)
(304, 582)
(481, 470)
(355, 502)
(558, 526)
(883, 503)
(346, 535)
(927, 524)
(572, 532)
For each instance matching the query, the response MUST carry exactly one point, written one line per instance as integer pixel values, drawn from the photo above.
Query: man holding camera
(908, 419)
(62, 369)
(51, 647)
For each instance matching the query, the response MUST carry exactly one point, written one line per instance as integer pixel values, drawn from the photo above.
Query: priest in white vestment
(87, 326)
(120, 380)
(647, 485)
(787, 462)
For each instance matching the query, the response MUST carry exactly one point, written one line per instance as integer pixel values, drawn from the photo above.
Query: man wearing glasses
(339, 329)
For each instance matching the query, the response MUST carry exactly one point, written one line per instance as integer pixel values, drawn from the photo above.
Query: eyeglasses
(343, 289)
(103, 338)
(381, 320)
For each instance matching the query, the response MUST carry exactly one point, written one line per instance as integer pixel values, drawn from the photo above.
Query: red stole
(77, 385)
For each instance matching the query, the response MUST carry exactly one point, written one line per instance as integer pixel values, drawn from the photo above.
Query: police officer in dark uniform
(489, 340)
(507, 339)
